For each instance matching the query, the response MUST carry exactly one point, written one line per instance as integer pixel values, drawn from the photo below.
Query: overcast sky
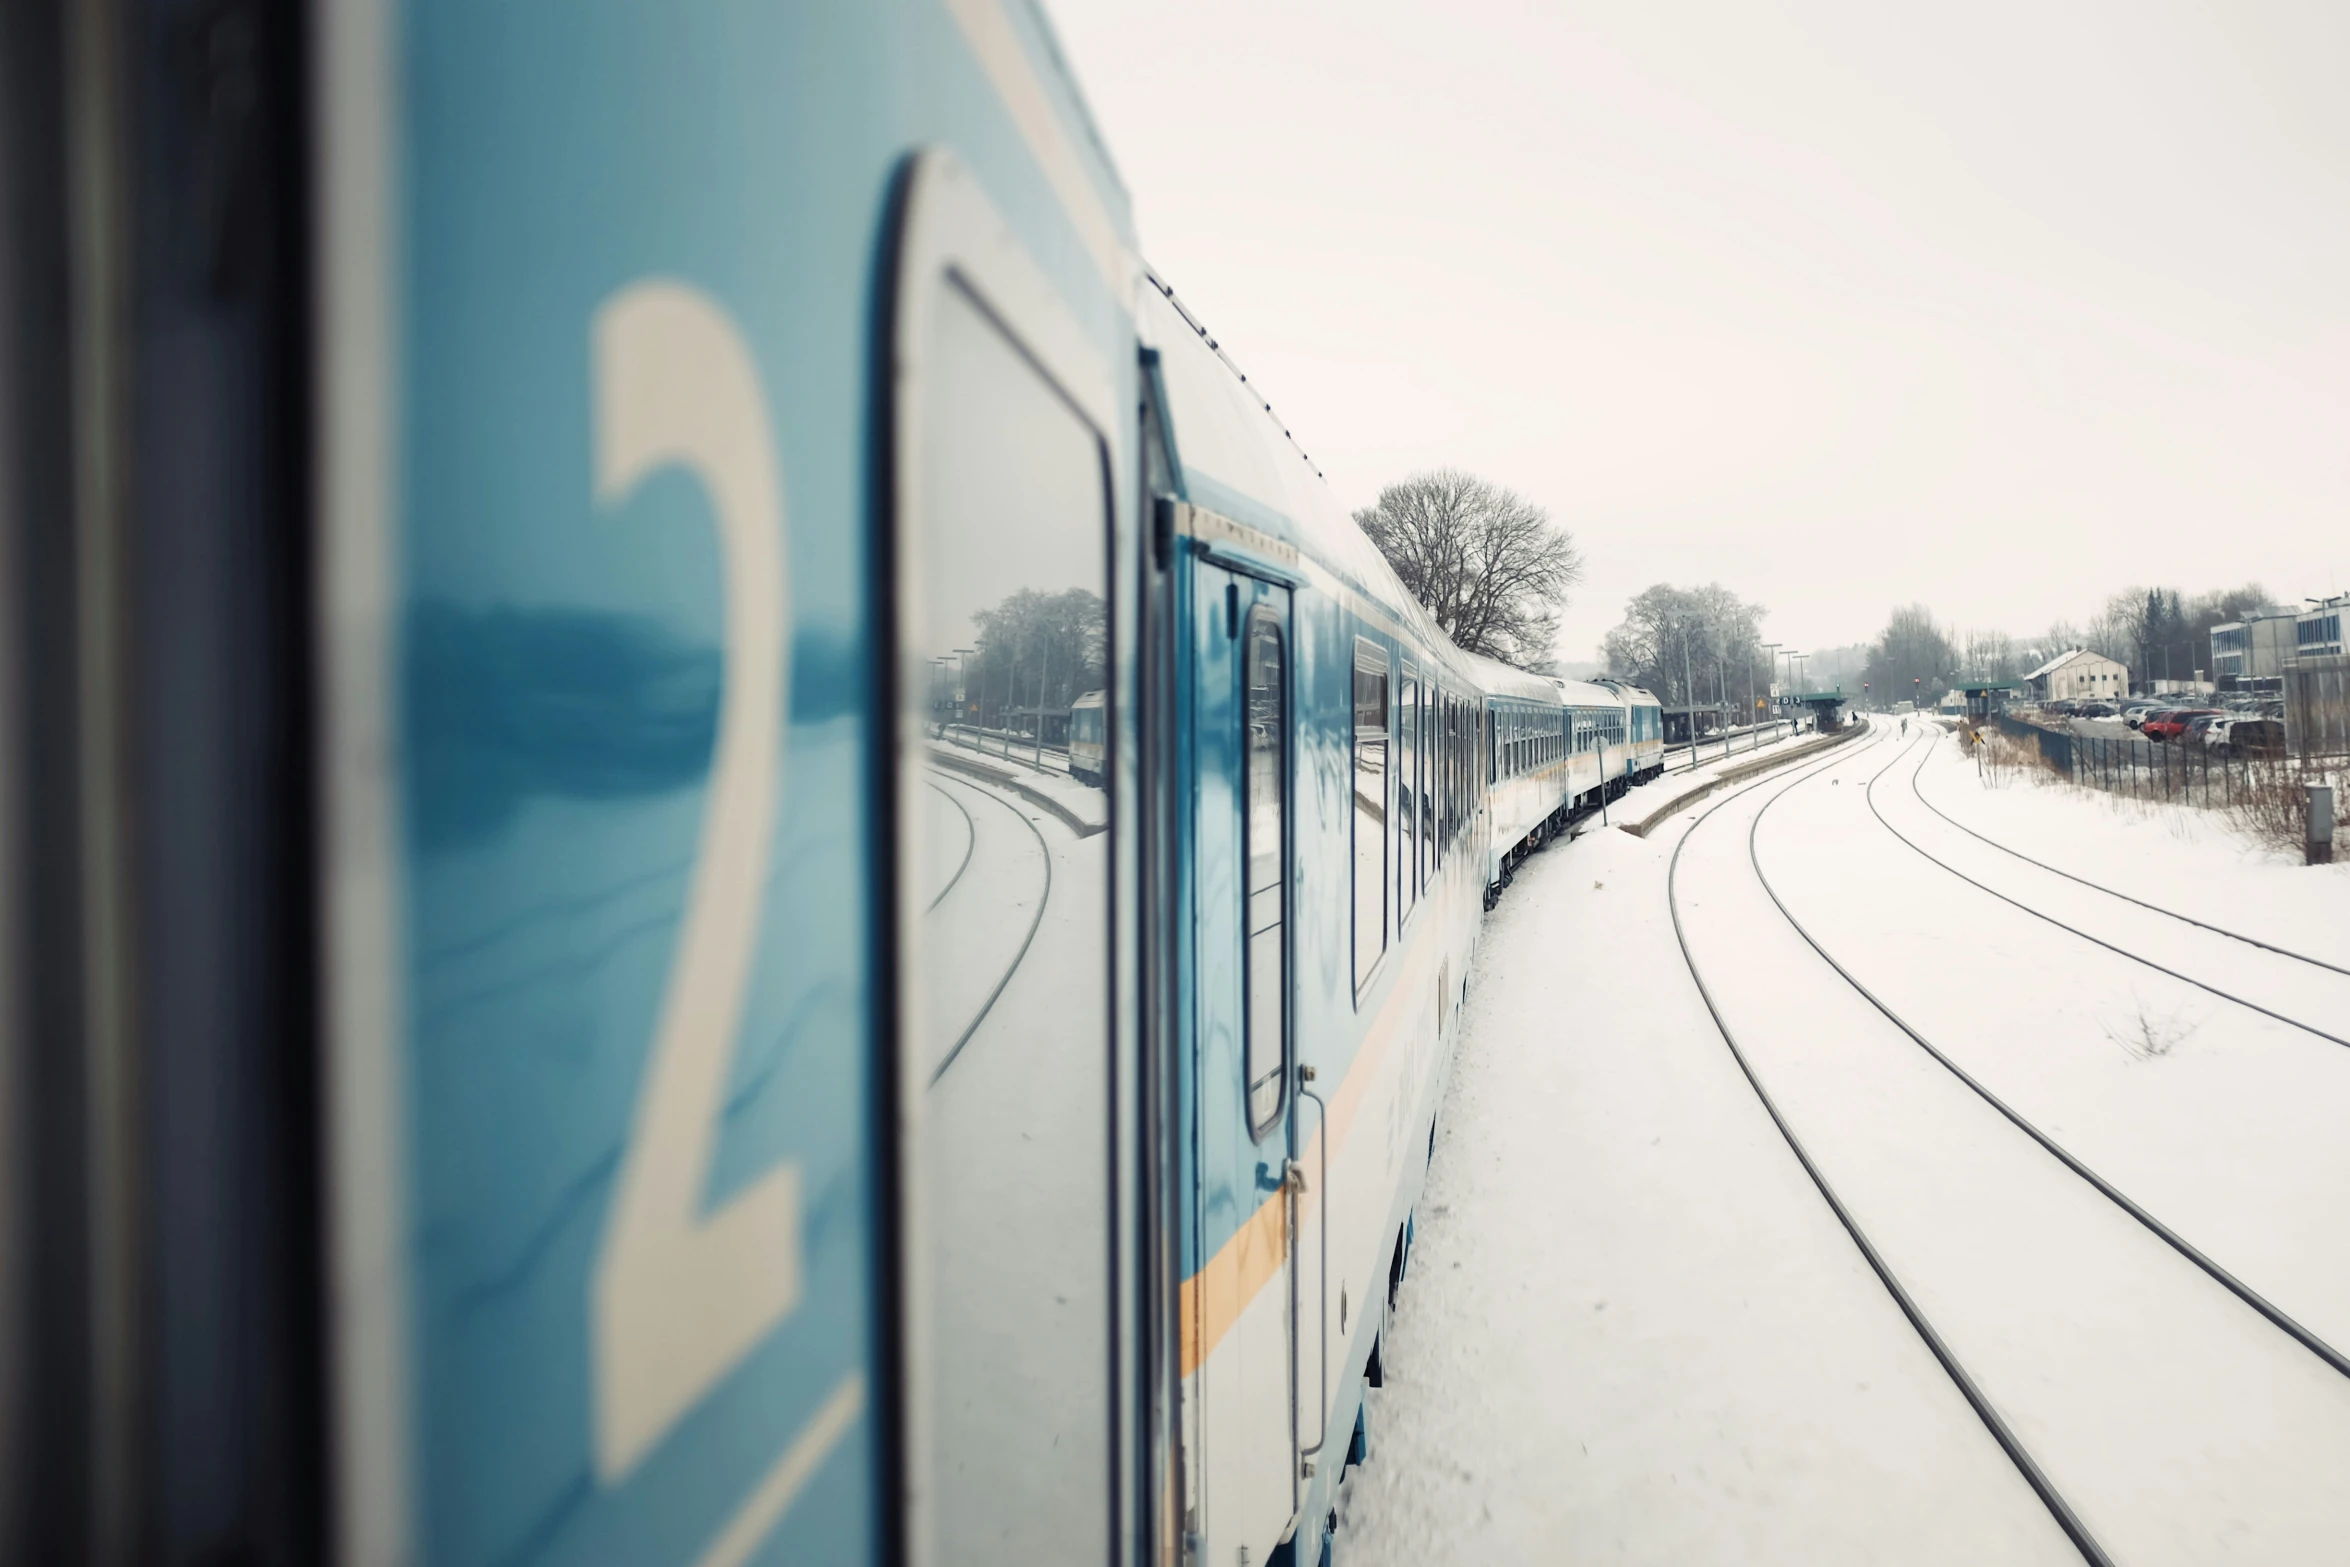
(1842, 303)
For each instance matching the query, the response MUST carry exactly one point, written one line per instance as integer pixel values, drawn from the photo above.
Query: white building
(2078, 676)
(2256, 648)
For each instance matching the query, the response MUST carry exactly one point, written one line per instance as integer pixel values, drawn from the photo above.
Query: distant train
(1089, 739)
(717, 853)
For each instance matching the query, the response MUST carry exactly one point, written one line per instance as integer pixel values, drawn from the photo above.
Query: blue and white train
(527, 1042)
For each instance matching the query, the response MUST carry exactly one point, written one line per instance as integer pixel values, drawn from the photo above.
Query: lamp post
(1688, 698)
(1043, 679)
(1771, 650)
(962, 683)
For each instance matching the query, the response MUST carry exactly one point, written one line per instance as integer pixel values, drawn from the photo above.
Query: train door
(1008, 1020)
(1239, 1332)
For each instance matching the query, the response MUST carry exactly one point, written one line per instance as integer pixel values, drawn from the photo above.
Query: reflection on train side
(1008, 996)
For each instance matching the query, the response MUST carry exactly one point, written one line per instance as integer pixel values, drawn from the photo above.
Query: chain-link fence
(2317, 710)
(2263, 793)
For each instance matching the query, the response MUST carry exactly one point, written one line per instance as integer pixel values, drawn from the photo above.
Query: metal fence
(2153, 770)
(2317, 708)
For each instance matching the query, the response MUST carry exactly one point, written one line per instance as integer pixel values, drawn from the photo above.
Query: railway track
(2114, 892)
(2206, 986)
(2000, 1426)
(2060, 1509)
(2276, 1317)
(970, 843)
(1036, 920)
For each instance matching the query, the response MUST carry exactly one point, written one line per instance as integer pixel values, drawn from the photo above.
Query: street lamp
(962, 683)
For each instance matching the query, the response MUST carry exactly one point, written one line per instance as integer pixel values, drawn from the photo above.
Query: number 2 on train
(680, 1296)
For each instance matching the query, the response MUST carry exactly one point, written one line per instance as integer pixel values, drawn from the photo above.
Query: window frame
(1370, 656)
(949, 234)
(1264, 614)
(1404, 762)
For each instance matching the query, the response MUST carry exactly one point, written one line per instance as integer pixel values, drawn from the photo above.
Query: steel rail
(2188, 919)
(2009, 1443)
(970, 845)
(2210, 989)
(2276, 1316)
(1045, 852)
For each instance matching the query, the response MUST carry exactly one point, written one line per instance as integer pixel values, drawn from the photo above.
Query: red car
(2168, 726)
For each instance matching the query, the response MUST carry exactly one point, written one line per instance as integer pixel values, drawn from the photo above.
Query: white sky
(2001, 306)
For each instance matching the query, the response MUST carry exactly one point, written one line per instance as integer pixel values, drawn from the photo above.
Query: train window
(1370, 807)
(1005, 962)
(1265, 835)
(1448, 789)
(1407, 788)
(1431, 766)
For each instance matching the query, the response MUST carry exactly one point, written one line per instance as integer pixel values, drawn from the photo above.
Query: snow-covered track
(2075, 930)
(970, 843)
(1045, 859)
(2098, 886)
(2009, 1443)
(2275, 1315)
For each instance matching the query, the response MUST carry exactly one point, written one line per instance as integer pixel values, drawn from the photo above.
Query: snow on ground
(2178, 856)
(1038, 782)
(1679, 778)
(2181, 1425)
(1634, 1332)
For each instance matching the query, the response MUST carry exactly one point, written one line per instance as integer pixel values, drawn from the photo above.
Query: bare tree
(1914, 657)
(1990, 655)
(1690, 644)
(1486, 562)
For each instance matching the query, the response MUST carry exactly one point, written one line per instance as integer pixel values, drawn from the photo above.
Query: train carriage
(1328, 903)
(748, 1127)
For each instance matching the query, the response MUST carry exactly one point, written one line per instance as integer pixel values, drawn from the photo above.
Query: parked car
(2093, 710)
(2192, 732)
(2138, 712)
(2166, 725)
(2246, 737)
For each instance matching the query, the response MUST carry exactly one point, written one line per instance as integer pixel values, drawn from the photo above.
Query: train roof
(1233, 456)
(1500, 679)
(1588, 693)
(1637, 696)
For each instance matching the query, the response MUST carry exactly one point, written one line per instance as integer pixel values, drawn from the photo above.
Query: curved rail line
(2098, 886)
(970, 844)
(1044, 850)
(2043, 1487)
(2275, 1315)
(2210, 989)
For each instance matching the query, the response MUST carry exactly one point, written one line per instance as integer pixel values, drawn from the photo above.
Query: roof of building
(2051, 665)
(2064, 658)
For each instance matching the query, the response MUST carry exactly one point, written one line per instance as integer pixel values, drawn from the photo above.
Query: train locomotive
(725, 857)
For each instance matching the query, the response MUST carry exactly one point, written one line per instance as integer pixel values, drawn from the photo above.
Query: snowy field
(1635, 1331)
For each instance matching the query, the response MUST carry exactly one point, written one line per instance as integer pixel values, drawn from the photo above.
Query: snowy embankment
(1631, 1331)
(1635, 1332)
(2177, 856)
(1680, 779)
(1081, 807)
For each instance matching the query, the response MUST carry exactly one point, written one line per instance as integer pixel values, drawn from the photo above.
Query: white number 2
(679, 1296)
